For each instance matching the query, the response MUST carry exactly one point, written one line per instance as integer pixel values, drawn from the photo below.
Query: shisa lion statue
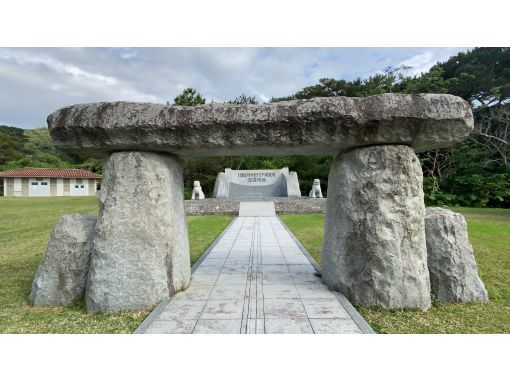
(316, 191)
(197, 191)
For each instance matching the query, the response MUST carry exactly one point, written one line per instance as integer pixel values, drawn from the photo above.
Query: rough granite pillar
(140, 253)
(374, 247)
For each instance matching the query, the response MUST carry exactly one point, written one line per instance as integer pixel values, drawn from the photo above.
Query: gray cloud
(36, 81)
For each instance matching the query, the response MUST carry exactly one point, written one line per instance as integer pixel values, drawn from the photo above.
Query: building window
(82, 186)
(34, 183)
(44, 183)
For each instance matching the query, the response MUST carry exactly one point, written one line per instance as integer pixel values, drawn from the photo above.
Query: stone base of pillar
(140, 252)
(374, 247)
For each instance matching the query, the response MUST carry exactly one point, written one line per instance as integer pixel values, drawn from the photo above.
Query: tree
(481, 76)
(388, 81)
(243, 99)
(11, 144)
(431, 82)
(189, 97)
(473, 173)
(492, 132)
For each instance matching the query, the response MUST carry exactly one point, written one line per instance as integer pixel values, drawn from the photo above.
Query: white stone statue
(316, 191)
(197, 191)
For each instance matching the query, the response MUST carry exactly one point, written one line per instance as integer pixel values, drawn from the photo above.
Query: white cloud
(264, 98)
(23, 58)
(422, 62)
(36, 81)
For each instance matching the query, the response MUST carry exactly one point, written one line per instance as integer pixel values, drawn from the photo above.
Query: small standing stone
(452, 266)
(62, 275)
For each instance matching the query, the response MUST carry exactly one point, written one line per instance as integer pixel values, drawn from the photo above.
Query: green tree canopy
(481, 76)
(189, 97)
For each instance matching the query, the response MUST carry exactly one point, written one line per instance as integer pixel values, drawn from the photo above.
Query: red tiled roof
(49, 173)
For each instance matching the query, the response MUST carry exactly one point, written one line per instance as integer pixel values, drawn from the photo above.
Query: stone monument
(374, 246)
(257, 184)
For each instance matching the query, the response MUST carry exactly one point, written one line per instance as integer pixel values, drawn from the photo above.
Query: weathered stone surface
(220, 186)
(140, 253)
(213, 206)
(62, 275)
(323, 126)
(257, 208)
(451, 262)
(293, 190)
(374, 247)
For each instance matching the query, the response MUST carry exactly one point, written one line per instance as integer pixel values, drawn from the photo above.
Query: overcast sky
(36, 81)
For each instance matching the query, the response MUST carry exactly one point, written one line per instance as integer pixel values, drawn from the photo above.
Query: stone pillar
(140, 253)
(374, 247)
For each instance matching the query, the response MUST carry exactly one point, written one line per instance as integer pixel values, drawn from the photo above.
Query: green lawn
(489, 233)
(26, 223)
(25, 226)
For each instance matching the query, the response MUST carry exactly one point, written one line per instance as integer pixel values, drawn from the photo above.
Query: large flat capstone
(324, 126)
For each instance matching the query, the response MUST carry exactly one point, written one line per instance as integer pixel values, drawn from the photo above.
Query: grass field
(489, 233)
(26, 223)
(25, 226)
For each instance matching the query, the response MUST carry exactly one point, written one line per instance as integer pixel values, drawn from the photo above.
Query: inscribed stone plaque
(257, 184)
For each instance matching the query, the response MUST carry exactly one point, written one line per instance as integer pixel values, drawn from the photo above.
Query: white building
(42, 182)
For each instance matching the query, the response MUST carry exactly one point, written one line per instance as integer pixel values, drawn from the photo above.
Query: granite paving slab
(256, 279)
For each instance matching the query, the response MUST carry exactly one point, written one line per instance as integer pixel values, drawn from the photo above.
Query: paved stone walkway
(256, 279)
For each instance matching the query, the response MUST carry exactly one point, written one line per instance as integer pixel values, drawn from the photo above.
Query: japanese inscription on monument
(256, 184)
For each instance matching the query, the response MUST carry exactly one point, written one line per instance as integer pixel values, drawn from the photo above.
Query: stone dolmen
(374, 249)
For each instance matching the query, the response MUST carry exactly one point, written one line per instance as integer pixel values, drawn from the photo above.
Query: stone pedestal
(374, 247)
(140, 253)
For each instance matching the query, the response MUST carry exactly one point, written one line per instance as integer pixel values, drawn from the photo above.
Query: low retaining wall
(213, 206)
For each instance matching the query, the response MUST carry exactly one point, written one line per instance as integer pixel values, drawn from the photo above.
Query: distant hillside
(33, 147)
